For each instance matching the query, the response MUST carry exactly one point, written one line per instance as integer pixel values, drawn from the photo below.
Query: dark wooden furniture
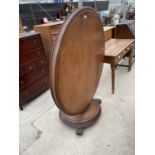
(115, 50)
(33, 67)
(49, 32)
(125, 30)
(76, 67)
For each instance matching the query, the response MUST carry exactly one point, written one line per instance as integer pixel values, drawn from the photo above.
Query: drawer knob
(26, 92)
(38, 53)
(45, 80)
(42, 61)
(43, 71)
(34, 41)
(30, 68)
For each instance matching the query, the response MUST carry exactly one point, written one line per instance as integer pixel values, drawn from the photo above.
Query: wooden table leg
(130, 60)
(113, 77)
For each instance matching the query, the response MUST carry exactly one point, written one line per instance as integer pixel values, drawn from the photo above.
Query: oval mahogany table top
(76, 61)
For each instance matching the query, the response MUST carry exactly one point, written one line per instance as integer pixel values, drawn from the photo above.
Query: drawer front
(31, 56)
(108, 34)
(123, 53)
(34, 90)
(30, 67)
(54, 37)
(55, 29)
(28, 79)
(120, 56)
(54, 33)
(29, 43)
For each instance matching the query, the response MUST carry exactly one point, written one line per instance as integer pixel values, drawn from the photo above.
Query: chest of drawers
(33, 67)
(49, 32)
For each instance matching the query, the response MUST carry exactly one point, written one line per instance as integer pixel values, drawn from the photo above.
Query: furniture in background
(119, 44)
(33, 67)
(49, 32)
(125, 30)
(109, 32)
(115, 50)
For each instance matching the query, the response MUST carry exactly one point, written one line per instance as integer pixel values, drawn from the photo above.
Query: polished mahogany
(76, 67)
(33, 67)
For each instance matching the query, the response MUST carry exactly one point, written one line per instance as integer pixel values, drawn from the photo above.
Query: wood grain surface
(76, 62)
(113, 47)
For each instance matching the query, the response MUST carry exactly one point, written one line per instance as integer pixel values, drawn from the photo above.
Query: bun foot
(79, 131)
(98, 101)
(83, 120)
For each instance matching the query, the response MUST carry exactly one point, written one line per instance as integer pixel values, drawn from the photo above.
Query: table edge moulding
(76, 67)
